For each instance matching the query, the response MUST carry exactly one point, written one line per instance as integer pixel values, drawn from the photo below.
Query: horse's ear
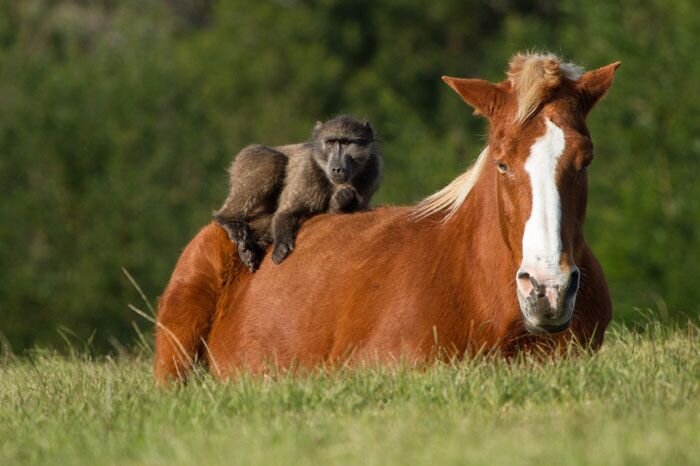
(484, 96)
(593, 85)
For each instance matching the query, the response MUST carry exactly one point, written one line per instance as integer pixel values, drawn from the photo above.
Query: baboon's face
(346, 145)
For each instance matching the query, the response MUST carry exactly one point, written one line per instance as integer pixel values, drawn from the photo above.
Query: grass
(637, 401)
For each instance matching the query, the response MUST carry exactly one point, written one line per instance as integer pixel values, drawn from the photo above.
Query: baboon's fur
(273, 189)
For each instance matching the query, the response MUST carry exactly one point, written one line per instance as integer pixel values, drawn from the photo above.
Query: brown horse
(494, 261)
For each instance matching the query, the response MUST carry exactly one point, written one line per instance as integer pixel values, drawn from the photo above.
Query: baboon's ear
(368, 127)
(486, 97)
(317, 128)
(593, 85)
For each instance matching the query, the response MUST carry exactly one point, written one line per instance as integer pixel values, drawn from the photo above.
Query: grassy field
(635, 402)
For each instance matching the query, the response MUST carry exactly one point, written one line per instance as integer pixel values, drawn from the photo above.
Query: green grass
(637, 401)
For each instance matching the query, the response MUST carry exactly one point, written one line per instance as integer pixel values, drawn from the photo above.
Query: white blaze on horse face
(542, 245)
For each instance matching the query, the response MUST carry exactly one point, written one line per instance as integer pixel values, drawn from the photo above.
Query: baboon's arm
(344, 199)
(285, 226)
(367, 182)
(306, 192)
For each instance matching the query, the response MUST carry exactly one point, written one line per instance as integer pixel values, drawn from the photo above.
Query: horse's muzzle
(547, 307)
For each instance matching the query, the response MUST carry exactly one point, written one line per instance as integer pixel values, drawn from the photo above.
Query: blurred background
(118, 120)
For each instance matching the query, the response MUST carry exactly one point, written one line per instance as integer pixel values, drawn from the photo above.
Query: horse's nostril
(539, 290)
(575, 276)
(574, 280)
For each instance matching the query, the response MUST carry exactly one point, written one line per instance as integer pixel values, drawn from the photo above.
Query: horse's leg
(186, 309)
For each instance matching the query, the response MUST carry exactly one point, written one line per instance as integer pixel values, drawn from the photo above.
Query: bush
(119, 119)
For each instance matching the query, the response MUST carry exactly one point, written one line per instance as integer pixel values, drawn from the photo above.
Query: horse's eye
(584, 166)
(502, 167)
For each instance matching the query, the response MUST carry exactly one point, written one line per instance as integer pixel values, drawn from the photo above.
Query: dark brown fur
(273, 189)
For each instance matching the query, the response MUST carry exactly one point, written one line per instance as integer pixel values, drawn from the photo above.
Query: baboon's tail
(187, 307)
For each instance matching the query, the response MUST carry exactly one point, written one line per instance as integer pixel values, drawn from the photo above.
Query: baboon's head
(346, 145)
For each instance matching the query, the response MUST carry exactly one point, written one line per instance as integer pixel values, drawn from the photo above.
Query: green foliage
(635, 402)
(119, 118)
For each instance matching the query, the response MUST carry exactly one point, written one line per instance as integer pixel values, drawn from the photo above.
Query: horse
(496, 261)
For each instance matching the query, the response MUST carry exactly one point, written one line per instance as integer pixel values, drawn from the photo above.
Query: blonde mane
(452, 196)
(534, 76)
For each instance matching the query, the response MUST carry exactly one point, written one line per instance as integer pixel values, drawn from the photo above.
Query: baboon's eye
(502, 167)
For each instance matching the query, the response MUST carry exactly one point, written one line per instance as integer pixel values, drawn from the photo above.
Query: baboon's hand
(238, 232)
(230, 232)
(282, 249)
(226, 225)
(251, 255)
(343, 198)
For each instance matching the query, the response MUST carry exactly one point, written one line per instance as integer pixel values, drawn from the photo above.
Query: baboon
(273, 189)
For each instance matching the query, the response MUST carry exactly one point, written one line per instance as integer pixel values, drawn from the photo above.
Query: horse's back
(325, 301)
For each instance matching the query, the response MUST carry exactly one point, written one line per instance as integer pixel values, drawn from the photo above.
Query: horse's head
(539, 151)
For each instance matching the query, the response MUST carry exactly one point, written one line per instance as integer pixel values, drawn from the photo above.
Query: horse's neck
(474, 233)
(479, 265)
